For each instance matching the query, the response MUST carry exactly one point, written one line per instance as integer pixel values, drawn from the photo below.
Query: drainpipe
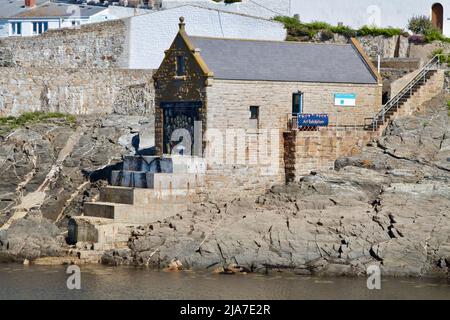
(379, 62)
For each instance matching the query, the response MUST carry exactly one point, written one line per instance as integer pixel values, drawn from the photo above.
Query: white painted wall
(4, 31)
(54, 23)
(257, 8)
(357, 13)
(151, 34)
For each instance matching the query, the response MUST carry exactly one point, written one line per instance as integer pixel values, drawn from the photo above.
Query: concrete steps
(147, 190)
(160, 181)
(126, 213)
(143, 197)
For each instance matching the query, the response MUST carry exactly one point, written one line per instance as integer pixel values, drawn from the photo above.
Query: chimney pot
(30, 3)
(182, 24)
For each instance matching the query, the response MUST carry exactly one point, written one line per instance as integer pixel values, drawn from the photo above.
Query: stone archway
(437, 16)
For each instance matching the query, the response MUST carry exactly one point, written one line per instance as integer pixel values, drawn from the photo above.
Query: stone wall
(229, 102)
(98, 45)
(76, 91)
(307, 151)
(250, 156)
(317, 150)
(435, 85)
(389, 47)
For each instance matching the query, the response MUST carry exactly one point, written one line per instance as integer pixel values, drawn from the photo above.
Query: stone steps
(143, 197)
(94, 229)
(173, 164)
(132, 214)
(147, 190)
(159, 181)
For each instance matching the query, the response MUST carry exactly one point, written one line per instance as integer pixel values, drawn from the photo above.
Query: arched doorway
(437, 16)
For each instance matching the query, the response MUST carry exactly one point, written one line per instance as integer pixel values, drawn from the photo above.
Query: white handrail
(407, 89)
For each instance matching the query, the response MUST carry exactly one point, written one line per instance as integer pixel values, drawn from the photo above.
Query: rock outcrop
(50, 168)
(389, 206)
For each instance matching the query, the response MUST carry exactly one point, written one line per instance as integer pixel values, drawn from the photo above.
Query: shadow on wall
(105, 172)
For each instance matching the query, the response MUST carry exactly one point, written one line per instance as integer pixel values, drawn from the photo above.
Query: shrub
(9, 123)
(374, 31)
(434, 34)
(346, 31)
(297, 29)
(448, 108)
(326, 35)
(420, 24)
(417, 38)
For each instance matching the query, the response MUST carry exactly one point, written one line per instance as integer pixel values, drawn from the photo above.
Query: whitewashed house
(9, 8)
(257, 8)
(149, 35)
(382, 13)
(36, 17)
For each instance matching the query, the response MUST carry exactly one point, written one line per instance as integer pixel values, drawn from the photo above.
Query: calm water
(99, 282)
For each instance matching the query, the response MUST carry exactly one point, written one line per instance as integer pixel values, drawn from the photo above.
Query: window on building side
(254, 117)
(297, 103)
(180, 66)
(16, 28)
(40, 27)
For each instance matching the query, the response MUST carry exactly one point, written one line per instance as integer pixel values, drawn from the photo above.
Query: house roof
(9, 8)
(233, 59)
(50, 10)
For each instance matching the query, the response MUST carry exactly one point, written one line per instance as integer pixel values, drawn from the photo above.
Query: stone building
(240, 95)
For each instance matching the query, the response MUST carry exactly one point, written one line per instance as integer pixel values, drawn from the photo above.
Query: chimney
(30, 3)
(181, 24)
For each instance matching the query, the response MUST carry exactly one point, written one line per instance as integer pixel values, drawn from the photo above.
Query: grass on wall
(9, 123)
(298, 30)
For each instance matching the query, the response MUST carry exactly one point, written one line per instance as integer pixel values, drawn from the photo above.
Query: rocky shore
(388, 206)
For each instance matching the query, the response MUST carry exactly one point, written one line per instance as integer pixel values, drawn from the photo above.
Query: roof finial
(181, 24)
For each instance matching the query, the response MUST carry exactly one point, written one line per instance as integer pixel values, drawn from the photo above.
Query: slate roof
(50, 10)
(232, 59)
(9, 8)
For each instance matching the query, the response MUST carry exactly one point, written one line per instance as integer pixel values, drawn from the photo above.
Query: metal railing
(380, 117)
(292, 124)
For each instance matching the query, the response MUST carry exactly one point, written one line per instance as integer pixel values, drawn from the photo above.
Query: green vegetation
(9, 123)
(298, 30)
(448, 108)
(374, 31)
(443, 57)
(422, 26)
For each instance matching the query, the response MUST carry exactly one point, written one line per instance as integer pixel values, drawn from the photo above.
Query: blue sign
(312, 120)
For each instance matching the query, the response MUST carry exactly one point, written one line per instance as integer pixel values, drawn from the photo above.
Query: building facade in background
(382, 13)
(33, 17)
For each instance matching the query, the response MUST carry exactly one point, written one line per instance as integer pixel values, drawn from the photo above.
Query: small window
(297, 103)
(254, 112)
(40, 27)
(254, 117)
(16, 28)
(180, 66)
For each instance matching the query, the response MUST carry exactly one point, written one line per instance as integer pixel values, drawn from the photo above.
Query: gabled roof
(50, 10)
(9, 8)
(233, 59)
